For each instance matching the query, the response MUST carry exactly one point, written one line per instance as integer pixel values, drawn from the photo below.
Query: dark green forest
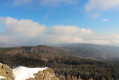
(62, 61)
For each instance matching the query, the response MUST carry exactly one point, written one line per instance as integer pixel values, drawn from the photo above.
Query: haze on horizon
(29, 22)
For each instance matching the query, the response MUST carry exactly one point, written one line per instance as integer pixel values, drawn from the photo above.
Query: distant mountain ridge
(94, 51)
(68, 61)
(84, 50)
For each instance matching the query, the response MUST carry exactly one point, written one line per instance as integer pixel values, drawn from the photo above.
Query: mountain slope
(93, 51)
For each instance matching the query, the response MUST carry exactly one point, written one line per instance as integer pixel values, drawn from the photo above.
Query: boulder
(47, 74)
(6, 72)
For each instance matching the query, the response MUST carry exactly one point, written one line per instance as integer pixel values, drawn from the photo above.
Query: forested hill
(93, 51)
(35, 50)
(89, 51)
(66, 61)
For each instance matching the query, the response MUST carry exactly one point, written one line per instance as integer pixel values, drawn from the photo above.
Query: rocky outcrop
(6, 71)
(47, 74)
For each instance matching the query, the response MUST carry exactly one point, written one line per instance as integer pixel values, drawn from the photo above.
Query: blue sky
(95, 20)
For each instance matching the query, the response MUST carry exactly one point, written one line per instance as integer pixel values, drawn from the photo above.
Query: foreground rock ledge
(6, 71)
(47, 74)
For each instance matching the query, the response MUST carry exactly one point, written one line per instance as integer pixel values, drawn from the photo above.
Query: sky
(42, 22)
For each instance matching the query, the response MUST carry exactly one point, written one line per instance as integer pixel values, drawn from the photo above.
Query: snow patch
(23, 73)
(1, 77)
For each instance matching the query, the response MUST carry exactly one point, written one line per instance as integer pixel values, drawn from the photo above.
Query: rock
(47, 74)
(6, 71)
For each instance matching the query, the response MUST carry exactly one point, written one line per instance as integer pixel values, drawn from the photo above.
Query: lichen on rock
(47, 74)
(6, 72)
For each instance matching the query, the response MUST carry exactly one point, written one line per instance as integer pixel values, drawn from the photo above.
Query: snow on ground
(23, 73)
(1, 77)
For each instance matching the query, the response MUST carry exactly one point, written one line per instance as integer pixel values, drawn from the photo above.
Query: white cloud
(7, 41)
(36, 34)
(81, 38)
(103, 39)
(23, 27)
(117, 36)
(105, 20)
(67, 34)
(101, 4)
(20, 2)
(56, 2)
(70, 30)
(104, 42)
(55, 34)
(100, 39)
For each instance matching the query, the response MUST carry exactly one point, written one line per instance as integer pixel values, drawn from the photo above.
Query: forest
(65, 65)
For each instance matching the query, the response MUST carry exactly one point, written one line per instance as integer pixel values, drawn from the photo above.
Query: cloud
(67, 34)
(27, 32)
(70, 30)
(95, 15)
(20, 2)
(56, 2)
(6, 41)
(105, 20)
(100, 39)
(43, 2)
(101, 4)
(22, 27)
(117, 36)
